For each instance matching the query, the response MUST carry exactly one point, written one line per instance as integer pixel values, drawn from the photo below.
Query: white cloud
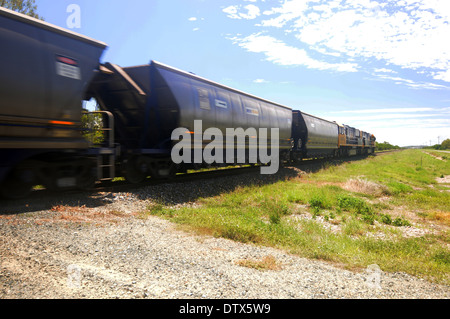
(444, 76)
(384, 70)
(410, 83)
(280, 53)
(407, 41)
(426, 85)
(288, 11)
(253, 12)
(410, 34)
(233, 12)
(324, 51)
(260, 81)
(192, 19)
(363, 28)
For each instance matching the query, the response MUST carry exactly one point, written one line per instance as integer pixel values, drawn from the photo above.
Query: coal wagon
(313, 137)
(150, 101)
(44, 73)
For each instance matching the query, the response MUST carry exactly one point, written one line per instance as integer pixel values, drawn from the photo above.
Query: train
(47, 72)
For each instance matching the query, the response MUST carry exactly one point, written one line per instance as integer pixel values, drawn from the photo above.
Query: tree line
(386, 146)
(445, 145)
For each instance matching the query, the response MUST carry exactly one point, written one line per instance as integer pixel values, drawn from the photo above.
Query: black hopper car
(46, 73)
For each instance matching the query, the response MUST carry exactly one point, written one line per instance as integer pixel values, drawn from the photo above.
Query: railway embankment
(373, 228)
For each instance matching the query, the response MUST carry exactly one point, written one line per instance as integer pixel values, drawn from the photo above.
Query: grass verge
(387, 210)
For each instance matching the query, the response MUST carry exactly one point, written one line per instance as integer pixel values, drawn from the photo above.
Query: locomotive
(46, 72)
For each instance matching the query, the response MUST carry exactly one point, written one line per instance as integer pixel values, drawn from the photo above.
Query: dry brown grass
(363, 186)
(266, 263)
(83, 214)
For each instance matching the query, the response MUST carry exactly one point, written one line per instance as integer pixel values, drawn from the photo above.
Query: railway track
(121, 185)
(306, 165)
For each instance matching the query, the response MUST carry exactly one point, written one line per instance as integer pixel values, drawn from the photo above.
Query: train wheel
(85, 175)
(137, 169)
(164, 170)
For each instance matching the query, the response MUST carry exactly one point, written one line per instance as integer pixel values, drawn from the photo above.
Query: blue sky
(382, 66)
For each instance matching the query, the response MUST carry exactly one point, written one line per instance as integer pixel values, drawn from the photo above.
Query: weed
(368, 218)
(158, 209)
(399, 188)
(442, 257)
(243, 235)
(295, 198)
(353, 227)
(275, 218)
(275, 210)
(386, 219)
(400, 221)
(329, 216)
(318, 202)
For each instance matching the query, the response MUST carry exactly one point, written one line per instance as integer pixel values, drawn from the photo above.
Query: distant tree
(27, 7)
(386, 146)
(92, 125)
(445, 144)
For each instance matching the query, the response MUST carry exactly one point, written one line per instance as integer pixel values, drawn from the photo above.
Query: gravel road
(95, 245)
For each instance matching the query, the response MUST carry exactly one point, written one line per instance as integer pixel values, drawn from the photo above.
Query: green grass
(271, 215)
(411, 166)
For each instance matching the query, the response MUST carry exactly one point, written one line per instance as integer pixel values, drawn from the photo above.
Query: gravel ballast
(96, 245)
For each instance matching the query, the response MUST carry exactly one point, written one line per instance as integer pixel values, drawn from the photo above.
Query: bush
(357, 206)
(386, 146)
(353, 204)
(317, 203)
(445, 144)
(92, 125)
